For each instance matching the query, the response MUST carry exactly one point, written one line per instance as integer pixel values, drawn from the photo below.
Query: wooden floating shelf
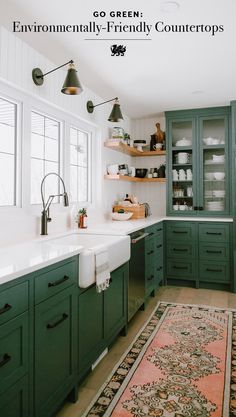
(129, 150)
(133, 179)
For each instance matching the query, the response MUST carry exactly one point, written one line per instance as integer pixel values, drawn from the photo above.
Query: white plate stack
(215, 205)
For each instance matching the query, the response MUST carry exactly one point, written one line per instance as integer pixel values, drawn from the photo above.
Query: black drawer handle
(60, 281)
(159, 246)
(160, 268)
(6, 358)
(151, 252)
(214, 233)
(180, 250)
(180, 231)
(159, 230)
(150, 278)
(152, 233)
(6, 308)
(213, 270)
(180, 267)
(214, 251)
(53, 325)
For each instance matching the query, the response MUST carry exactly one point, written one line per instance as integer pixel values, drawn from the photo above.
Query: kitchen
(183, 252)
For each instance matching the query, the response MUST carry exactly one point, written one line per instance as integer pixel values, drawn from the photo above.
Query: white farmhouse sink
(118, 248)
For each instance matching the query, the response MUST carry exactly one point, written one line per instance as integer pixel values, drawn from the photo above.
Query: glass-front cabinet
(198, 162)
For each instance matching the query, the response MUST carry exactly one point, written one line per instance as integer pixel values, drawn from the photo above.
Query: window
(79, 162)
(8, 111)
(45, 155)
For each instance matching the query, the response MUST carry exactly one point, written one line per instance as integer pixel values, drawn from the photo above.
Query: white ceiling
(171, 71)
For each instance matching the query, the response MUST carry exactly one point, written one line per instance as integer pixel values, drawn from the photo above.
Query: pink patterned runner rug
(182, 364)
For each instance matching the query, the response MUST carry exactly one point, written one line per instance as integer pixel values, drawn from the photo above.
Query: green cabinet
(15, 401)
(154, 268)
(101, 318)
(55, 336)
(199, 254)
(14, 350)
(199, 162)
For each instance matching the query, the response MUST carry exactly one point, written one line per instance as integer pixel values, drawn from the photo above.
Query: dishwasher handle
(137, 239)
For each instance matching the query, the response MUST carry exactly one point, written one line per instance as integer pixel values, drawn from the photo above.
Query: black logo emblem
(118, 50)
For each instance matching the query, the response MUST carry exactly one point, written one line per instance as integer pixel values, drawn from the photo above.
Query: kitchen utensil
(140, 172)
(121, 216)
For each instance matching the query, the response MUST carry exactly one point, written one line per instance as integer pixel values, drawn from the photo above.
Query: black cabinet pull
(6, 358)
(214, 233)
(214, 251)
(159, 246)
(160, 268)
(150, 278)
(213, 270)
(180, 250)
(53, 325)
(180, 231)
(60, 281)
(195, 208)
(152, 233)
(180, 267)
(159, 230)
(6, 308)
(200, 208)
(150, 253)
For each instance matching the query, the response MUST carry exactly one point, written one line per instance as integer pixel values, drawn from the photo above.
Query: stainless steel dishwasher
(136, 294)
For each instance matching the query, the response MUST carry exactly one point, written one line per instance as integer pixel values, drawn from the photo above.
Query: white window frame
(8, 94)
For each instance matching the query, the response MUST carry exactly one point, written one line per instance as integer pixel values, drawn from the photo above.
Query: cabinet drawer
(214, 232)
(15, 402)
(181, 269)
(54, 281)
(217, 251)
(156, 229)
(181, 231)
(212, 271)
(181, 250)
(13, 302)
(13, 350)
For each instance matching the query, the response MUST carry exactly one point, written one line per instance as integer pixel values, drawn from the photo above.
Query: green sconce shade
(115, 115)
(71, 84)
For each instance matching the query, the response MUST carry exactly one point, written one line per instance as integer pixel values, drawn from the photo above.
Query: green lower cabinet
(101, 318)
(203, 259)
(91, 328)
(154, 258)
(55, 351)
(14, 350)
(15, 401)
(115, 303)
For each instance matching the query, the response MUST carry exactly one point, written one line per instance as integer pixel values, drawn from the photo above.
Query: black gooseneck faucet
(45, 217)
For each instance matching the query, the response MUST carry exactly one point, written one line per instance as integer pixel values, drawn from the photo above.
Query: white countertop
(21, 259)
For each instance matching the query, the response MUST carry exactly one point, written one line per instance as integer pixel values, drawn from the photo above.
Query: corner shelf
(133, 179)
(122, 147)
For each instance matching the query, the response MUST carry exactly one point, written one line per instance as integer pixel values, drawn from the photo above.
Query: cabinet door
(14, 402)
(115, 303)
(214, 165)
(91, 328)
(55, 345)
(182, 167)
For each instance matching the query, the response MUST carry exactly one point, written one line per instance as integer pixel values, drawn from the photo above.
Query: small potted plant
(82, 218)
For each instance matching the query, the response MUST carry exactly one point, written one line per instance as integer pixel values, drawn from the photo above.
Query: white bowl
(209, 176)
(121, 216)
(219, 176)
(218, 158)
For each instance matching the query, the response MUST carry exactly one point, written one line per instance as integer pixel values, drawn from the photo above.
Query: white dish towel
(102, 270)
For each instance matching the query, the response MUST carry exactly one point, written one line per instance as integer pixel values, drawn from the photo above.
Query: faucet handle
(49, 219)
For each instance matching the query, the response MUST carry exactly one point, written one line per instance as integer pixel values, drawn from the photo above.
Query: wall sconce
(71, 84)
(115, 115)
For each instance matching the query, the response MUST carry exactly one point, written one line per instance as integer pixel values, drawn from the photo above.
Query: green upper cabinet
(198, 152)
